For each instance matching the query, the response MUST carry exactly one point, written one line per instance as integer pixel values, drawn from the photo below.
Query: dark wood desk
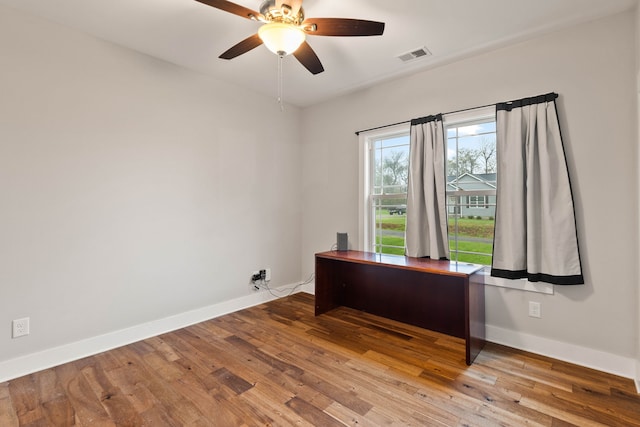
(444, 296)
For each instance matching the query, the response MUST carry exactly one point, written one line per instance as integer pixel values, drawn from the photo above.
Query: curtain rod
(555, 95)
(409, 121)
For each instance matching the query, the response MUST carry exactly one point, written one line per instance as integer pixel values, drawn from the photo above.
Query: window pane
(390, 221)
(471, 239)
(391, 165)
(389, 160)
(477, 128)
(471, 168)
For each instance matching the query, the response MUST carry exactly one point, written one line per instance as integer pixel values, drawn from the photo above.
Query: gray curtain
(535, 229)
(426, 227)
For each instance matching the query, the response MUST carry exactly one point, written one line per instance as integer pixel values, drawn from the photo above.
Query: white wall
(131, 189)
(592, 67)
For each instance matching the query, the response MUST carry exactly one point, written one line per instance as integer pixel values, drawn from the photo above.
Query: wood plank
(120, 409)
(213, 409)
(8, 415)
(312, 414)
(55, 404)
(87, 406)
(26, 400)
(175, 406)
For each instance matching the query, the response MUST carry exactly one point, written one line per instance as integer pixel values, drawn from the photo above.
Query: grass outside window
(474, 245)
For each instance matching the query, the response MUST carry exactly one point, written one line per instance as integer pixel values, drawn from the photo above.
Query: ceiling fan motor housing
(285, 13)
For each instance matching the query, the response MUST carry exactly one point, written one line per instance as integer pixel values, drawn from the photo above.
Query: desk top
(449, 268)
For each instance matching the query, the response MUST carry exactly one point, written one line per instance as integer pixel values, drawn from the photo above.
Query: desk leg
(475, 327)
(326, 283)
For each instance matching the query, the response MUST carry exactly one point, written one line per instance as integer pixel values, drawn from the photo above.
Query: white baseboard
(30, 363)
(637, 380)
(309, 288)
(583, 356)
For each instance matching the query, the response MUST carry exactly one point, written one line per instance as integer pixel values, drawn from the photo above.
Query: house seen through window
(471, 190)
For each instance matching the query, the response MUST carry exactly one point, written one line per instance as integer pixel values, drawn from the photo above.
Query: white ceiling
(192, 35)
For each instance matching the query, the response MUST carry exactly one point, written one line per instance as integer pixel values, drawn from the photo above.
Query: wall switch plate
(20, 327)
(534, 309)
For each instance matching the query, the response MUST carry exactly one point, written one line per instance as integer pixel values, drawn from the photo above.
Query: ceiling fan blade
(308, 58)
(236, 9)
(342, 27)
(244, 46)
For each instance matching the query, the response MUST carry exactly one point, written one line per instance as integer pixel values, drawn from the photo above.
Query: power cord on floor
(264, 284)
(259, 281)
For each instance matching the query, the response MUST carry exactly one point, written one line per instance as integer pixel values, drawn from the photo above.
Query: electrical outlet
(534, 309)
(267, 275)
(20, 327)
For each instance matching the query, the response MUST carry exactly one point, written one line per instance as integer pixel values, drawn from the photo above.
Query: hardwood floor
(277, 364)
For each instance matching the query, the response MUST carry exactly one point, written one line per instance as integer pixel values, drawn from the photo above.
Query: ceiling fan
(285, 28)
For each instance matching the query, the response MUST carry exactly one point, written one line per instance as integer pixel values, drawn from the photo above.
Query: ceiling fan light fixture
(281, 39)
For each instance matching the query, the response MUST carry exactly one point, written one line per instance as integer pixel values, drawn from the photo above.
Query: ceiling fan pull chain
(280, 82)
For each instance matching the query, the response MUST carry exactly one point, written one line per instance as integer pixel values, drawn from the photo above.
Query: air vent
(414, 54)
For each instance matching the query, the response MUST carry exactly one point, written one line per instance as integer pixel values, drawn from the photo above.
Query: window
(478, 202)
(385, 198)
(471, 190)
(471, 185)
